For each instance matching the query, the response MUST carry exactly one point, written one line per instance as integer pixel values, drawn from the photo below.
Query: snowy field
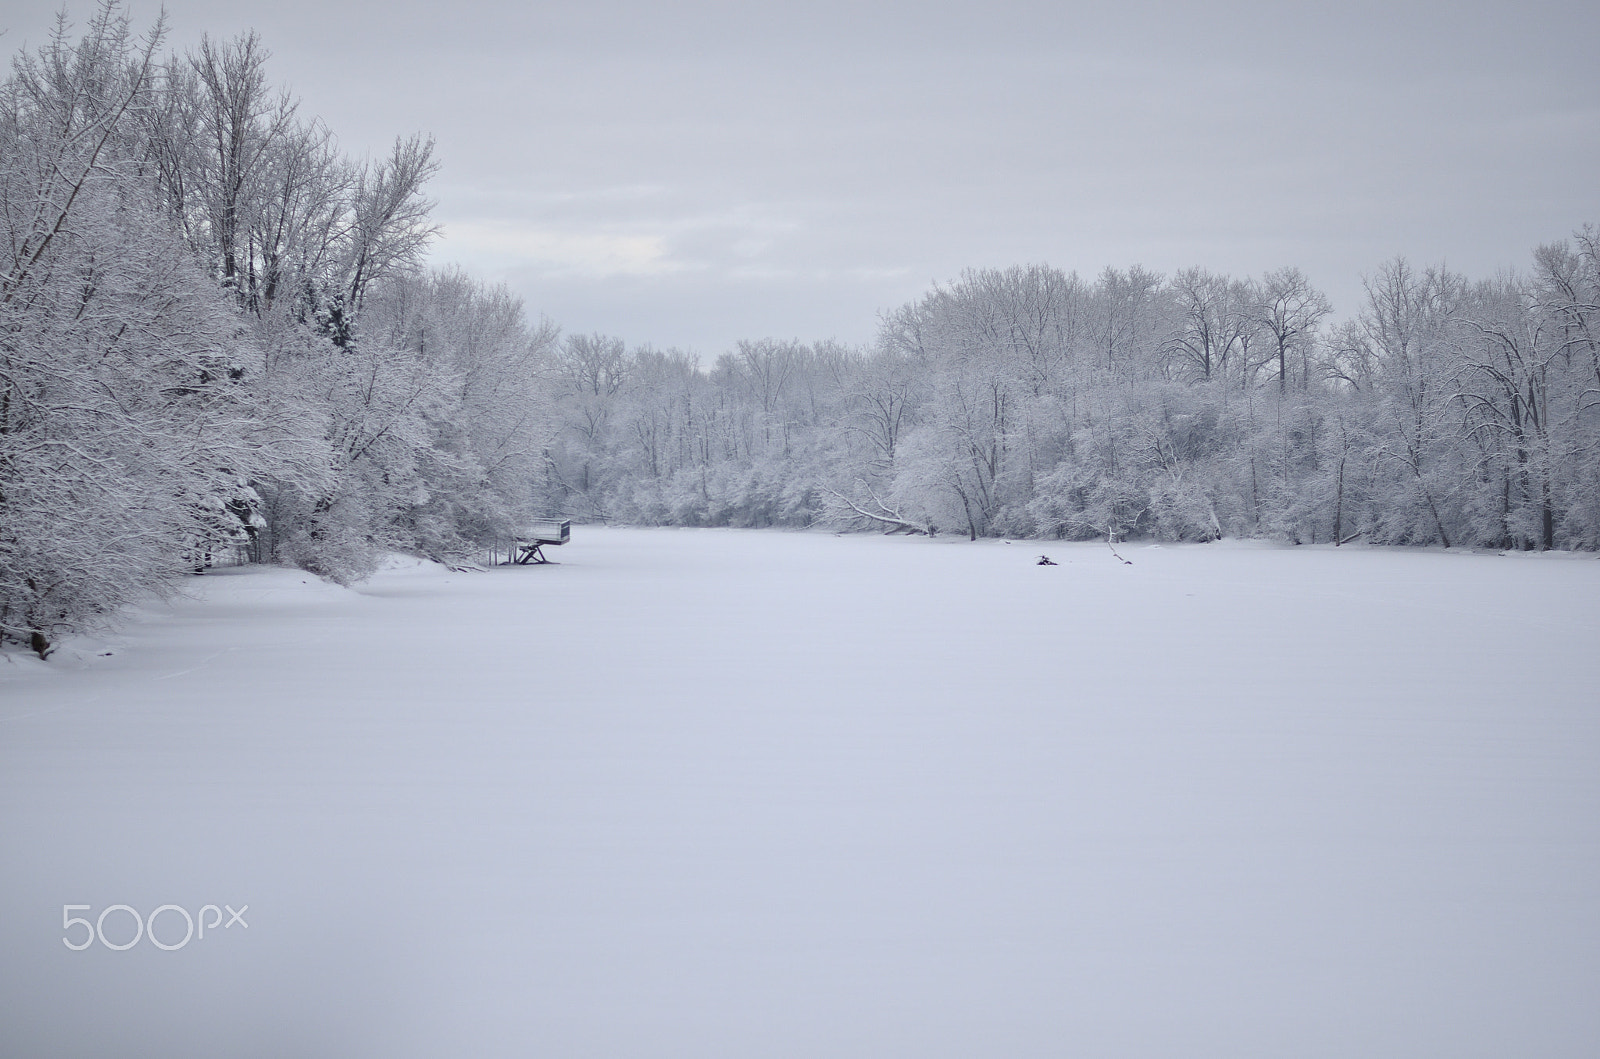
(707, 793)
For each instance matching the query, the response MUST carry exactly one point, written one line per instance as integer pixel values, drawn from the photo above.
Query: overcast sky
(689, 174)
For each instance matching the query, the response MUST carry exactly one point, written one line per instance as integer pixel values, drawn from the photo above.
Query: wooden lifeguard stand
(532, 538)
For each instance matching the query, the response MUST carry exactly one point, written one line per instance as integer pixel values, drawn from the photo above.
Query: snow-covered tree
(130, 412)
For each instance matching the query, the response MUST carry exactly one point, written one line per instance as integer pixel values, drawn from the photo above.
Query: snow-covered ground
(719, 793)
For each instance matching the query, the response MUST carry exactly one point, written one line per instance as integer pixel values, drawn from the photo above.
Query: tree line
(1028, 402)
(216, 331)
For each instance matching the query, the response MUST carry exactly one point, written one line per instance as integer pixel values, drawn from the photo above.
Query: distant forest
(217, 332)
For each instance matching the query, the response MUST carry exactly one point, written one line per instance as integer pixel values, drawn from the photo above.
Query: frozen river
(705, 793)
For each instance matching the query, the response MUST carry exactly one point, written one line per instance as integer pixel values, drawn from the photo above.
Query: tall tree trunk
(1338, 506)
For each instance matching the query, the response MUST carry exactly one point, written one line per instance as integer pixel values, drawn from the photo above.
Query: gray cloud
(690, 174)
